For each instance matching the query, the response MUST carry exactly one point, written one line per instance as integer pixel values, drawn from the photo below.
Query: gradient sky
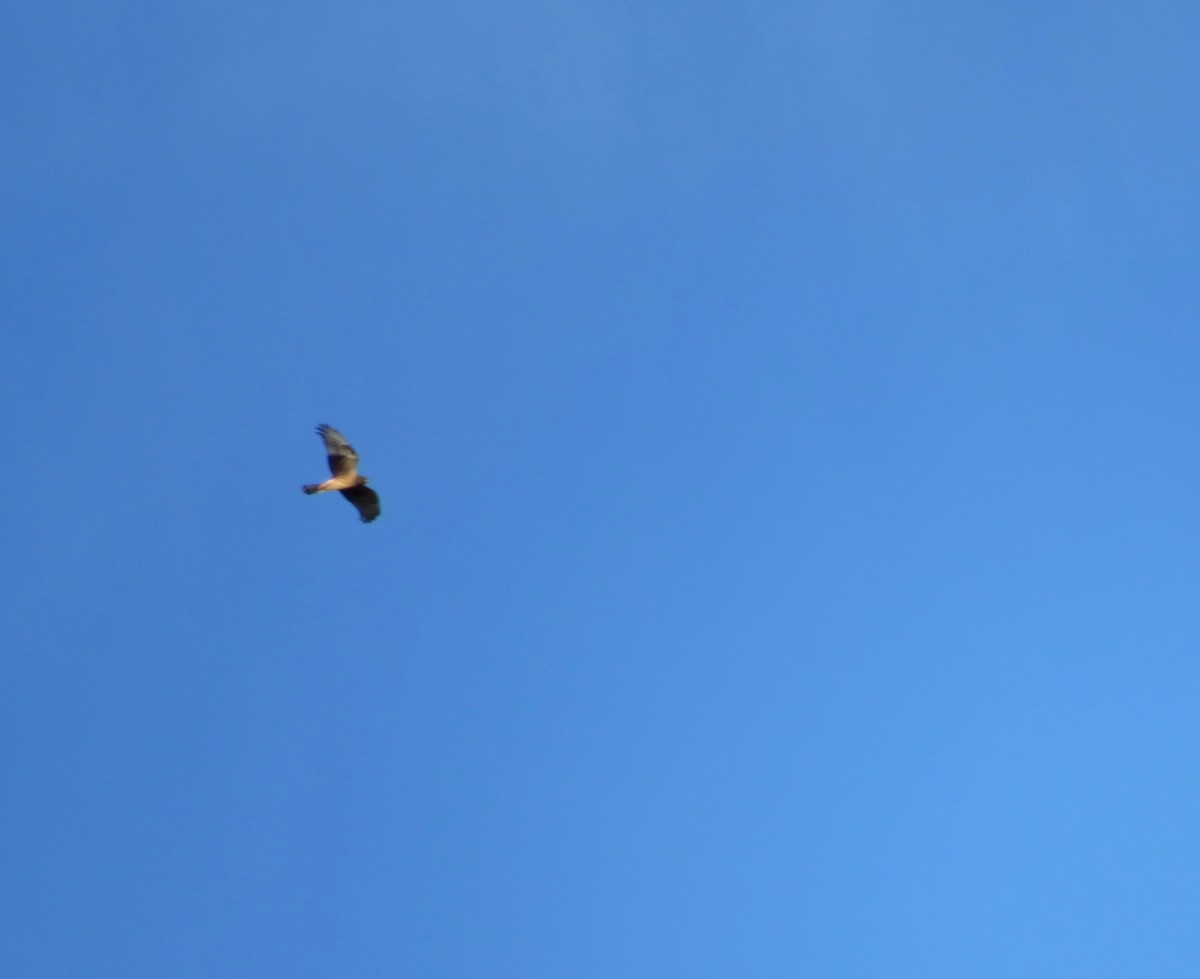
(785, 418)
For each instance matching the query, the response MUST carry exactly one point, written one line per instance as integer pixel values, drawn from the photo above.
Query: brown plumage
(343, 463)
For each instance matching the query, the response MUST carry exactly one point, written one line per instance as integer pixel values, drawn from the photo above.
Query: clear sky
(785, 418)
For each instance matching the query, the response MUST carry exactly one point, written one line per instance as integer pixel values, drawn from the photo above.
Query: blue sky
(785, 420)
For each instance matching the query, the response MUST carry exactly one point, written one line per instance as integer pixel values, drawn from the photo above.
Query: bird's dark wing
(365, 500)
(343, 460)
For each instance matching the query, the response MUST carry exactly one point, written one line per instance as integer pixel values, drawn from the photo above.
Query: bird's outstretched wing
(365, 500)
(343, 460)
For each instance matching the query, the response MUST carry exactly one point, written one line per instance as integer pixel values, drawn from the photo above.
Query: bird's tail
(311, 488)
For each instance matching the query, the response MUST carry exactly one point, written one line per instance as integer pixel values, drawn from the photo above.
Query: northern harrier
(343, 463)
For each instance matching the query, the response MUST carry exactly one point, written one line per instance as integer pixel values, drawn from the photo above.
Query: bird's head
(362, 480)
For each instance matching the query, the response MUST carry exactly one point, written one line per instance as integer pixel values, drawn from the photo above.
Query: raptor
(343, 463)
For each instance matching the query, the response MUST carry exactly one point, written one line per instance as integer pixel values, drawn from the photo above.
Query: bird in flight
(343, 463)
